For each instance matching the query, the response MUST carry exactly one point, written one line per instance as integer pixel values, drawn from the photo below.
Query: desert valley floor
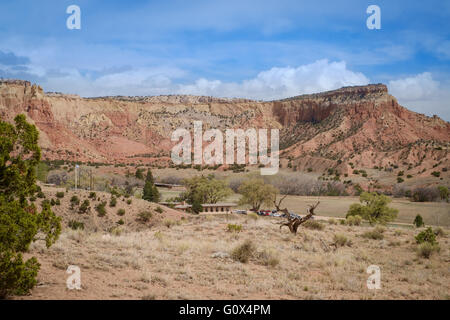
(180, 256)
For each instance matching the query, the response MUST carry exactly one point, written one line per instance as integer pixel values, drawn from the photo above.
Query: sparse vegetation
(244, 251)
(426, 236)
(426, 249)
(314, 225)
(234, 227)
(353, 220)
(340, 240)
(113, 201)
(74, 200)
(84, 206)
(144, 216)
(100, 208)
(375, 234)
(76, 225)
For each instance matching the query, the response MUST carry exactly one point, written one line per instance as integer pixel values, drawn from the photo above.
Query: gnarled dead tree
(293, 222)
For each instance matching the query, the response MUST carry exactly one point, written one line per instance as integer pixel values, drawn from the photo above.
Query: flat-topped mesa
(359, 92)
(318, 106)
(61, 95)
(15, 82)
(174, 99)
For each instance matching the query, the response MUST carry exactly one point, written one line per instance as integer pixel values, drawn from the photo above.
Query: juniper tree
(20, 221)
(150, 192)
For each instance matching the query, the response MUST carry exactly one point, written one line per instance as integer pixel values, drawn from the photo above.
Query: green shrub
(426, 249)
(375, 234)
(74, 200)
(121, 212)
(340, 240)
(159, 209)
(75, 225)
(418, 221)
(113, 201)
(40, 194)
(100, 208)
(129, 201)
(353, 220)
(144, 216)
(84, 206)
(234, 227)
(374, 208)
(244, 252)
(57, 202)
(437, 174)
(116, 231)
(426, 236)
(120, 222)
(60, 194)
(92, 195)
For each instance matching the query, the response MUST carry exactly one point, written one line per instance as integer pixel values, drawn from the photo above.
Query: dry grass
(200, 259)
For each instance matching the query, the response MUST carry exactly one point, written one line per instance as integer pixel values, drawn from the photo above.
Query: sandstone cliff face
(363, 125)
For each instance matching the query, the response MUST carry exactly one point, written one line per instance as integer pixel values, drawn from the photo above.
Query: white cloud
(414, 88)
(276, 83)
(423, 94)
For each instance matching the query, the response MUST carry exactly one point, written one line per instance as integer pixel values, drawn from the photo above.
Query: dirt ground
(192, 259)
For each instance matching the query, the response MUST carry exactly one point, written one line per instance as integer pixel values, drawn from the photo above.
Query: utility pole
(76, 176)
(91, 180)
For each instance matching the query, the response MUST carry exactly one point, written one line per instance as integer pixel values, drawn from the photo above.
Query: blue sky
(254, 49)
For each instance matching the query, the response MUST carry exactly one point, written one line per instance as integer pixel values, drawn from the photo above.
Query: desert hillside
(352, 127)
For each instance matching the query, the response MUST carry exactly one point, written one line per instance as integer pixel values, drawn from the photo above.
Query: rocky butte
(361, 126)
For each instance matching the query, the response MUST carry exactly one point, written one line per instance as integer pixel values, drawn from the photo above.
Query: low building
(225, 207)
(220, 207)
(178, 187)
